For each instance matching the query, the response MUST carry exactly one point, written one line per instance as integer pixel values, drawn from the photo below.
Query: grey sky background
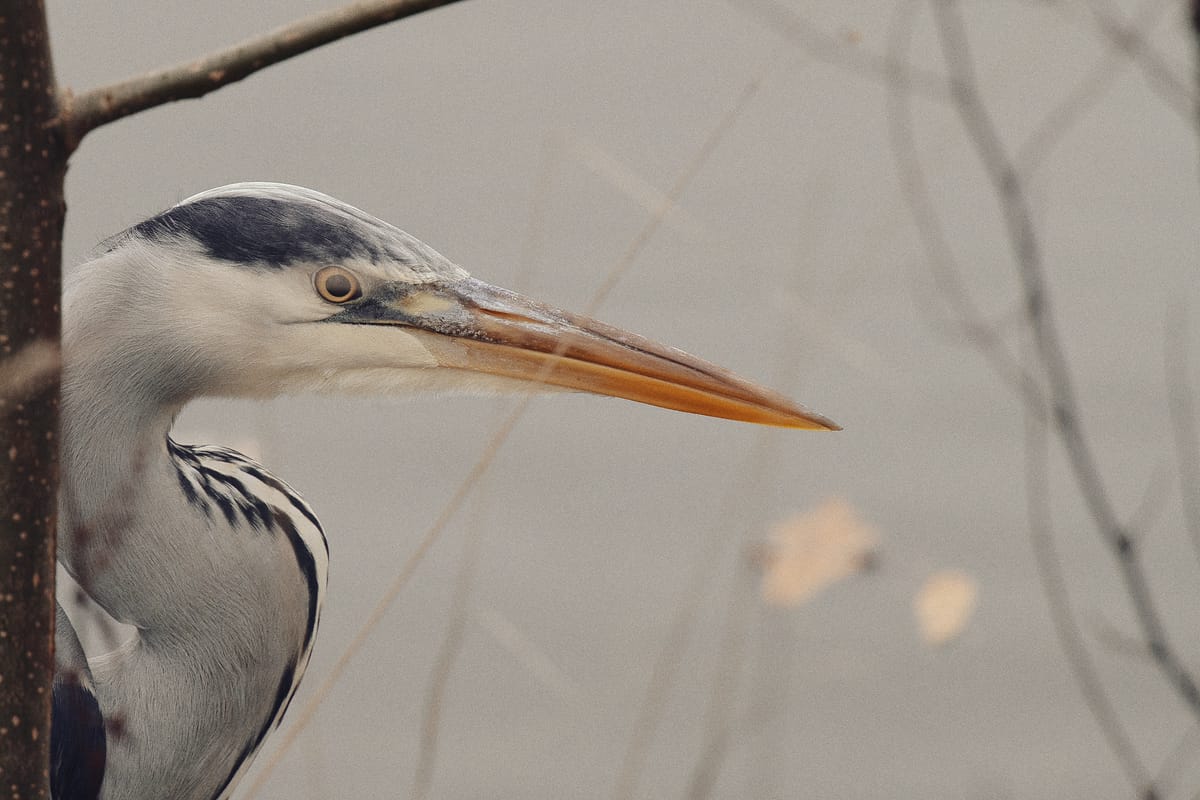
(528, 141)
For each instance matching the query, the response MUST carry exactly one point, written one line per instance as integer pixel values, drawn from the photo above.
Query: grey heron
(253, 290)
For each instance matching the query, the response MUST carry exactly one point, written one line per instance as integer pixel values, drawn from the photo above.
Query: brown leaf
(809, 551)
(944, 605)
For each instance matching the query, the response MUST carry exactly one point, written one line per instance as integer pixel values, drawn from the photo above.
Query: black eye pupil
(338, 286)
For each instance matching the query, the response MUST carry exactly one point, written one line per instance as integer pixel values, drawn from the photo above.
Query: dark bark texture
(32, 168)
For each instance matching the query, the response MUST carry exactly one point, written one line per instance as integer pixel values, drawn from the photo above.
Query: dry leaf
(809, 551)
(944, 606)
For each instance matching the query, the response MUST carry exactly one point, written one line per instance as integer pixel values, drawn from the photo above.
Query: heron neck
(220, 614)
(115, 467)
(113, 442)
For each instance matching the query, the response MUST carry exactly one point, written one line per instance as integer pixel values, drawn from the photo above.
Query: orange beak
(473, 326)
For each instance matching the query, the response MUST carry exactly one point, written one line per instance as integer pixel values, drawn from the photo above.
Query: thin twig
(824, 48)
(1149, 509)
(1066, 418)
(1114, 640)
(1160, 76)
(529, 653)
(305, 714)
(439, 676)
(460, 602)
(1182, 412)
(91, 109)
(674, 643)
(718, 718)
(947, 275)
(1062, 615)
(1194, 24)
(1176, 761)
(666, 665)
(1072, 108)
(967, 317)
(769, 712)
(534, 240)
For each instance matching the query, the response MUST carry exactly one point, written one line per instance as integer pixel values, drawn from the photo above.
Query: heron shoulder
(227, 486)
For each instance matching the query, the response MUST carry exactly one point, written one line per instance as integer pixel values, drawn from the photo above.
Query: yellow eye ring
(337, 285)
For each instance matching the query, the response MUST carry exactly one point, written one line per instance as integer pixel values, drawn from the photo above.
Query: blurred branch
(1090, 89)
(824, 48)
(1182, 412)
(966, 317)
(550, 156)
(91, 109)
(1062, 616)
(1066, 420)
(26, 373)
(304, 715)
(1194, 20)
(718, 718)
(696, 588)
(1150, 507)
(1173, 765)
(984, 337)
(739, 508)
(1116, 641)
(439, 676)
(666, 665)
(1130, 38)
(529, 654)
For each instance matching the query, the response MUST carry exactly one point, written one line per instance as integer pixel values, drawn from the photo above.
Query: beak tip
(816, 422)
(789, 414)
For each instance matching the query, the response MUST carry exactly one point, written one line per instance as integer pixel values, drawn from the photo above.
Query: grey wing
(78, 741)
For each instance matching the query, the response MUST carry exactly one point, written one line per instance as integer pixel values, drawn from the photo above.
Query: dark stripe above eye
(266, 231)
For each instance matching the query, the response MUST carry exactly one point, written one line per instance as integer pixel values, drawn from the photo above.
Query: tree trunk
(32, 167)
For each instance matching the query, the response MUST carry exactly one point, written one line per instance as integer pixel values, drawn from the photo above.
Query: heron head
(259, 289)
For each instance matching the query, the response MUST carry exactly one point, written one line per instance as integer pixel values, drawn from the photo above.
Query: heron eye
(337, 285)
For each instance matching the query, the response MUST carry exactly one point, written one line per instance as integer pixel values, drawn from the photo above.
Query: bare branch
(1152, 504)
(947, 275)
(1084, 96)
(1182, 407)
(700, 579)
(1066, 418)
(1062, 616)
(452, 643)
(1130, 38)
(197, 78)
(1194, 23)
(1177, 760)
(967, 318)
(718, 718)
(821, 46)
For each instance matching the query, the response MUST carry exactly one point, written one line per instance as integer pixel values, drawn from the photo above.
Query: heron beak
(471, 325)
